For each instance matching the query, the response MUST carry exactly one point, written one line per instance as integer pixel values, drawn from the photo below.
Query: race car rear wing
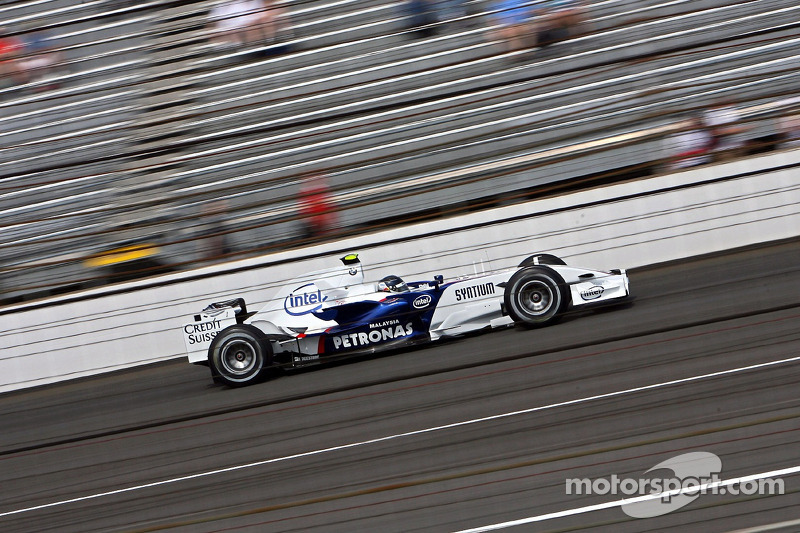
(237, 304)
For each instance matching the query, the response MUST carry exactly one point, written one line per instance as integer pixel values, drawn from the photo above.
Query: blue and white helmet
(392, 284)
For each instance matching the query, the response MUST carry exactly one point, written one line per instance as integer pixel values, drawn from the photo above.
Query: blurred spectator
(41, 57)
(316, 207)
(690, 147)
(789, 126)
(238, 23)
(275, 23)
(421, 17)
(452, 10)
(559, 19)
(11, 70)
(235, 22)
(514, 29)
(723, 120)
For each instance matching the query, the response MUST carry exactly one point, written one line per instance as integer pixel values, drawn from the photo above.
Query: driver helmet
(392, 284)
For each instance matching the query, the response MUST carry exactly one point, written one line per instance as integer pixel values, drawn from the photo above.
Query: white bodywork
(475, 302)
(289, 312)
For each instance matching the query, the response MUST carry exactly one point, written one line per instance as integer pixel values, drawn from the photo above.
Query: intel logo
(421, 302)
(593, 293)
(303, 302)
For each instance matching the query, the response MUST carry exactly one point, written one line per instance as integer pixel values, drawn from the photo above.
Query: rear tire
(239, 355)
(533, 297)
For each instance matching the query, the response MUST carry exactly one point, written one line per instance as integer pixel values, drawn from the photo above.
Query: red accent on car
(321, 345)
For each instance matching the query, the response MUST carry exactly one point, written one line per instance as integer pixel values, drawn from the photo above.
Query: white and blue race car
(332, 312)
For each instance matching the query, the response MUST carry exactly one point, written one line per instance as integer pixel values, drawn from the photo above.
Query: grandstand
(146, 123)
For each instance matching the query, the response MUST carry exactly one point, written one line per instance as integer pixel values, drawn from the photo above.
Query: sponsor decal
(201, 332)
(374, 336)
(353, 271)
(474, 291)
(376, 325)
(421, 302)
(305, 358)
(592, 293)
(304, 300)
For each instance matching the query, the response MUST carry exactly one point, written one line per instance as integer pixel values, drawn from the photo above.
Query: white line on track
(769, 527)
(619, 503)
(424, 431)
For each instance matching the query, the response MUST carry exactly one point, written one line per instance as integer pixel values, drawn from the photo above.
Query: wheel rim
(535, 297)
(238, 357)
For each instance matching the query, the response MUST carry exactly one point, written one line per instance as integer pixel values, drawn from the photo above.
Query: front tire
(239, 355)
(541, 259)
(533, 297)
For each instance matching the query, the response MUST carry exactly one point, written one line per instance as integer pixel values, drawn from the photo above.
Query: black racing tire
(541, 259)
(239, 355)
(535, 297)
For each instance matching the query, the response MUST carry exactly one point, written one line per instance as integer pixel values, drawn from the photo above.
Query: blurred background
(142, 139)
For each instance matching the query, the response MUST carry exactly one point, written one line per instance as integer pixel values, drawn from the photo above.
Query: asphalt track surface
(481, 431)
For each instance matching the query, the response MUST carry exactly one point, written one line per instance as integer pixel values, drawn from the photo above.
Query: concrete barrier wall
(627, 225)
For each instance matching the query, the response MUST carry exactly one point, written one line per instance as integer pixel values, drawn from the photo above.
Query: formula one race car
(333, 312)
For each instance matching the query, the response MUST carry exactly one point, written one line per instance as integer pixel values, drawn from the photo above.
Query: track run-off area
(475, 434)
